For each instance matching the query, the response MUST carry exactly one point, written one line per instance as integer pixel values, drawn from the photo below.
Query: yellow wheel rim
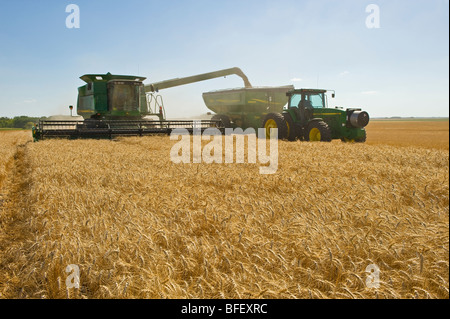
(269, 124)
(288, 128)
(314, 135)
(348, 140)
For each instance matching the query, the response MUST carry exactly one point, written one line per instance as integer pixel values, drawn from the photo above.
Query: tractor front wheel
(355, 140)
(275, 121)
(362, 139)
(318, 131)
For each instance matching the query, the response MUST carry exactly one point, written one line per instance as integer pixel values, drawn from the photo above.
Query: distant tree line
(21, 122)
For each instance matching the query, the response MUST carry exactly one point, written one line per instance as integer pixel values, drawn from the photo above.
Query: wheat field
(428, 134)
(139, 226)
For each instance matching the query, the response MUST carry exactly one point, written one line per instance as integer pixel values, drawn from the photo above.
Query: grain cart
(246, 107)
(308, 118)
(239, 107)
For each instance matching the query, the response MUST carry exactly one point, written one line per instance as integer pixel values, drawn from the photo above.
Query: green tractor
(308, 118)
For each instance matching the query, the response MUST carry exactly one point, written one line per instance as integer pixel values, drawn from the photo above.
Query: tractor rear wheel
(275, 120)
(291, 129)
(318, 131)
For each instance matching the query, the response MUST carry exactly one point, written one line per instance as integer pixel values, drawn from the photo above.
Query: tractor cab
(303, 102)
(308, 98)
(308, 117)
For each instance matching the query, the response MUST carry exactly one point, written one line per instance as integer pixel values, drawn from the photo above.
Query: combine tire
(291, 128)
(318, 131)
(225, 120)
(275, 120)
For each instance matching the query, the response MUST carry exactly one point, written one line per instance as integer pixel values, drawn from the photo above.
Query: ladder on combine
(155, 105)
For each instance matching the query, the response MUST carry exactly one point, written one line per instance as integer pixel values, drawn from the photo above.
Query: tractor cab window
(315, 100)
(124, 95)
(295, 100)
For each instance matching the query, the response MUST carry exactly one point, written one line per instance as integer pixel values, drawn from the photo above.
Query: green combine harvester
(122, 105)
(115, 105)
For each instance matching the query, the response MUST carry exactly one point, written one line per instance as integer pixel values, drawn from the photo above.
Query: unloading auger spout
(155, 87)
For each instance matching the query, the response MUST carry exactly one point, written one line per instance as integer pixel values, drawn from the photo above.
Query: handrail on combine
(155, 106)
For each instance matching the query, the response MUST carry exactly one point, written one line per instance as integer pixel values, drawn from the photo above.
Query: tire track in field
(15, 232)
(4, 181)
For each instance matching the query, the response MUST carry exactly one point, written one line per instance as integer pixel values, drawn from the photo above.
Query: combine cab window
(123, 96)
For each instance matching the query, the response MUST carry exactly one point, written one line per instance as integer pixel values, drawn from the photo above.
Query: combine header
(109, 129)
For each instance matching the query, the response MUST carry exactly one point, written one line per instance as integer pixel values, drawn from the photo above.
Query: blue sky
(399, 69)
